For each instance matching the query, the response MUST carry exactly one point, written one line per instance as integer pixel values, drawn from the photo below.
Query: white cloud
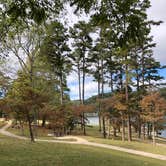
(90, 87)
(157, 12)
(72, 78)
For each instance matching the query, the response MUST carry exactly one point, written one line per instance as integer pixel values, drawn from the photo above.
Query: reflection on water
(95, 121)
(163, 134)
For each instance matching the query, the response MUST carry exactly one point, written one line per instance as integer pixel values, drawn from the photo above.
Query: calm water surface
(163, 134)
(95, 121)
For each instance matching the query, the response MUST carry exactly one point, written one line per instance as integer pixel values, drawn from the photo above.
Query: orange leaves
(4, 105)
(154, 107)
(79, 109)
(63, 115)
(117, 101)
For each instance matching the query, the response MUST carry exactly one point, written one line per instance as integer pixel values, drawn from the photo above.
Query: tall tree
(154, 109)
(82, 43)
(56, 50)
(24, 44)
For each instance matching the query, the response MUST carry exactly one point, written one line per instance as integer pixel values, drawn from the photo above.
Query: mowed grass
(2, 123)
(146, 147)
(41, 132)
(93, 135)
(23, 153)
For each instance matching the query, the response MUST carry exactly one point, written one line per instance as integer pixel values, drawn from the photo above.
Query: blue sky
(163, 73)
(91, 86)
(156, 12)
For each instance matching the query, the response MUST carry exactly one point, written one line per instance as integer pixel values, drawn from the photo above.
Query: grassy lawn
(132, 145)
(161, 141)
(2, 123)
(23, 153)
(41, 132)
(93, 135)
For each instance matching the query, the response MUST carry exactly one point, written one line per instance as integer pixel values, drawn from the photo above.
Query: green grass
(161, 140)
(2, 123)
(41, 132)
(23, 153)
(93, 135)
(146, 147)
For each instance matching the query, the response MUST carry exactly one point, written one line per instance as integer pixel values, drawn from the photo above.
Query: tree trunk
(153, 130)
(111, 83)
(30, 128)
(83, 91)
(143, 131)
(43, 121)
(119, 129)
(139, 128)
(136, 129)
(84, 128)
(31, 59)
(101, 123)
(114, 131)
(100, 126)
(129, 128)
(138, 109)
(79, 82)
(102, 95)
(108, 128)
(35, 123)
(22, 128)
(121, 80)
(104, 129)
(61, 89)
(148, 130)
(99, 109)
(127, 100)
(123, 127)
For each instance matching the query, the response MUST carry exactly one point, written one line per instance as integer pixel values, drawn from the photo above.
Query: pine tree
(82, 43)
(56, 50)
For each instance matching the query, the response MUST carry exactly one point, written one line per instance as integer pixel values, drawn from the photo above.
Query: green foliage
(29, 10)
(24, 97)
(94, 99)
(162, 92)
(122, 56)
(85, 5)
(56, 51)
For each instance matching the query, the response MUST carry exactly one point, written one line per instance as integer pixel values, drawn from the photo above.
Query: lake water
(95, 121)
(163, 134)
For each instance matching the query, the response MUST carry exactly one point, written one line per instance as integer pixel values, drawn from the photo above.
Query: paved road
(82, 141)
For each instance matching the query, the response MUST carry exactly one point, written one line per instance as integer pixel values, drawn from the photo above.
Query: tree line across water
(114, 47)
